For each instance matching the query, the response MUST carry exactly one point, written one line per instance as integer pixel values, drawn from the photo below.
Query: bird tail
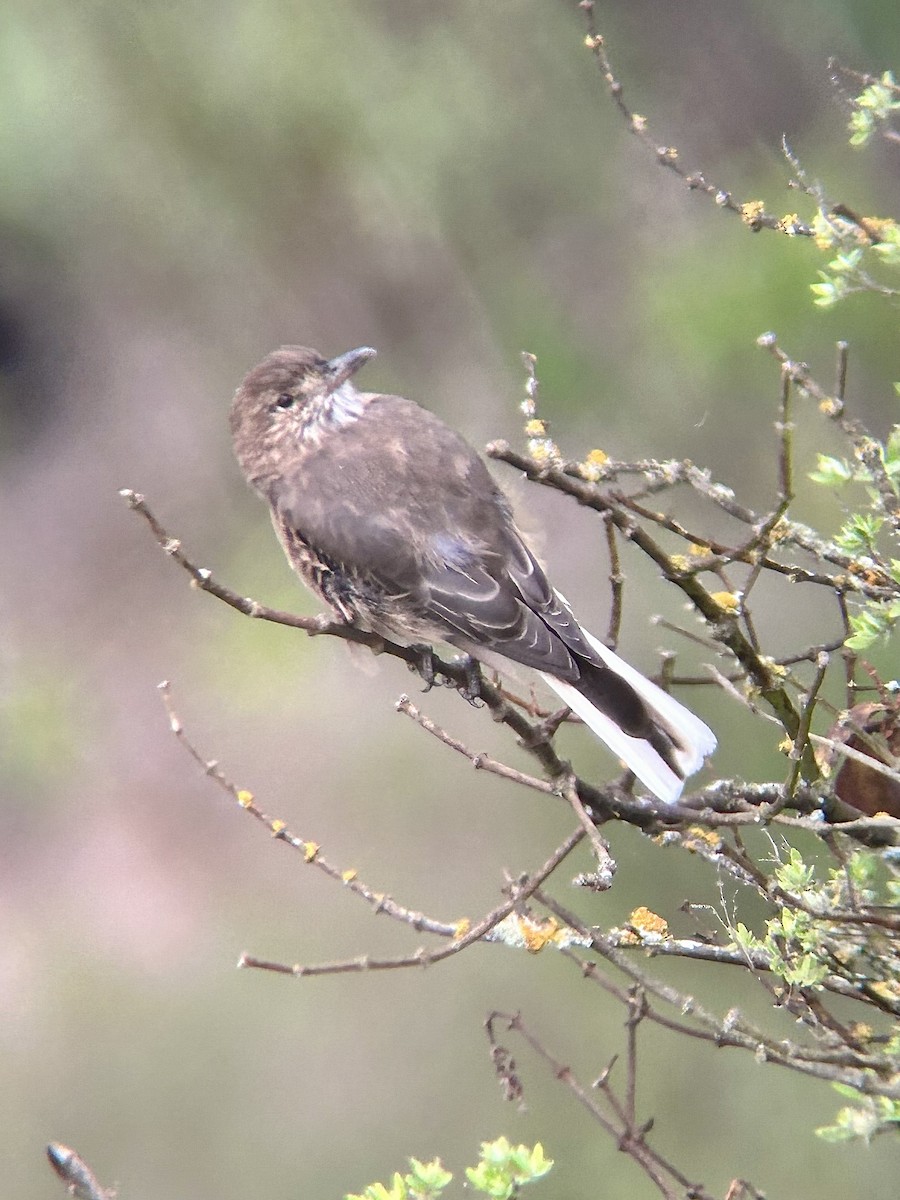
(685, 740)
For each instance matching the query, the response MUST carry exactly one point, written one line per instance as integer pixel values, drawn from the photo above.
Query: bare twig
(481, 762)
(752, 214)
(616, 584)
(801, 741)
(309, 850)
(833, 407)
(618, 1122)
(78, 1177)
(463, 935)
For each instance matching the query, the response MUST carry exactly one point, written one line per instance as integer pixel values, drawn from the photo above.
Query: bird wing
(432, 574)
(503, 602)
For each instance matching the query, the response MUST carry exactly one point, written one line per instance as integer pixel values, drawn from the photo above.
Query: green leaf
(833, 472)
(504, 1168)
(427, 1179)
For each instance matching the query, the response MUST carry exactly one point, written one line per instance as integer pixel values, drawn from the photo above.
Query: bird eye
(285, 400)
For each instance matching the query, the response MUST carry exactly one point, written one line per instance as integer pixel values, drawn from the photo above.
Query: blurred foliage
(873, 109)
(501, 1171)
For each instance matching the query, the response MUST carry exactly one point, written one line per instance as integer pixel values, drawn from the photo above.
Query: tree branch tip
(603, 1078)
(131, 498)
(77, 1175)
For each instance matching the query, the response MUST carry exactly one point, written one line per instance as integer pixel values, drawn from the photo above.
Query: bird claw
(471, 688)
(424, 665)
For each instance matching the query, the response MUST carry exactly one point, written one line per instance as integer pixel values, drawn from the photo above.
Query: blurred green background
(186, 186)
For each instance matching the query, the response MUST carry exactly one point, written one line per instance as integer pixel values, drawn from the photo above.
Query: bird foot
(471, 687)
(424, 665)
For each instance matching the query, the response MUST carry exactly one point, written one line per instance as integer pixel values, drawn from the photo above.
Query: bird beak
(341, 368)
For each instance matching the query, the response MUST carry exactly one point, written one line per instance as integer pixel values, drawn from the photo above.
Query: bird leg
(424, 664)
(471, 687)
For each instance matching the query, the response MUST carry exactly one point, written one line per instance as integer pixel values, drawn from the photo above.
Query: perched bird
(395, 521)
(874, 730)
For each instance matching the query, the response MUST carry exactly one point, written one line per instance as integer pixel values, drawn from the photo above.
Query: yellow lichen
(729, 602)
(647, 922)
(877, 229)
(536, 934)
(790, 224)
(706, 837)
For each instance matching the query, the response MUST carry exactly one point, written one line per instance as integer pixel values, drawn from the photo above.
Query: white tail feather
(693, 739)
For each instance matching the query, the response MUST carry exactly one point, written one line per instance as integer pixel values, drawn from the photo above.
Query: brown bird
(395, 522)
(874, 730)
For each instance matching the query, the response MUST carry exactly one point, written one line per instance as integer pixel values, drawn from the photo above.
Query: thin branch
(752, 214)
(833, 407)
(616, 585)
(80, 1180)
(630, 1138)
(872, 1075)
(309, 850)
(463, 934)
(481, 762)
(801, 741)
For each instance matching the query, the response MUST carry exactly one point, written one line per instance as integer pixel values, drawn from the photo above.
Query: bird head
(288, 402)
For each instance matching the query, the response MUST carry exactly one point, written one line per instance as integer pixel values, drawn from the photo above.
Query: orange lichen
(645, 922)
